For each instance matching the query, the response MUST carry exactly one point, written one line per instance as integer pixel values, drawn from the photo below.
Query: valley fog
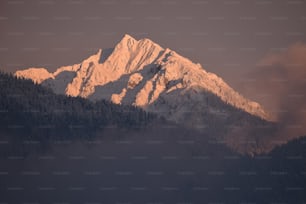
(149, 165)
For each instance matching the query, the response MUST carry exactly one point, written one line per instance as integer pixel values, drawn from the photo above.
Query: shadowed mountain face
(59, 83)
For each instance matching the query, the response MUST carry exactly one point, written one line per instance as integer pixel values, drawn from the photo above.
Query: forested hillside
(28, 106)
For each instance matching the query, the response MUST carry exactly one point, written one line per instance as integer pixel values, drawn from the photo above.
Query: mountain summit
(142, 73)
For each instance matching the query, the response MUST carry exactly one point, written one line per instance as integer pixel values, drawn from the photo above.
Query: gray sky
(227, 37)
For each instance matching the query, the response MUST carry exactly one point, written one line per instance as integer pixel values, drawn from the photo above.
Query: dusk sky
(229, 38)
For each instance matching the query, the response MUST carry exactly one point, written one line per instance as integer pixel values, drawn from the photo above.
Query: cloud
(282, 76)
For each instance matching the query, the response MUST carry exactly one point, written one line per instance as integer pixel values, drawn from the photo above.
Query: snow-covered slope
(38, 75)
(142, 73)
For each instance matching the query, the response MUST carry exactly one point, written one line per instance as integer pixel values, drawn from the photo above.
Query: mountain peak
(142, 73)
(130, 43)
(127, 37)
(126, 41)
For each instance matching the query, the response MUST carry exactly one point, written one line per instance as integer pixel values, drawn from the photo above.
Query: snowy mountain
(142, 73)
